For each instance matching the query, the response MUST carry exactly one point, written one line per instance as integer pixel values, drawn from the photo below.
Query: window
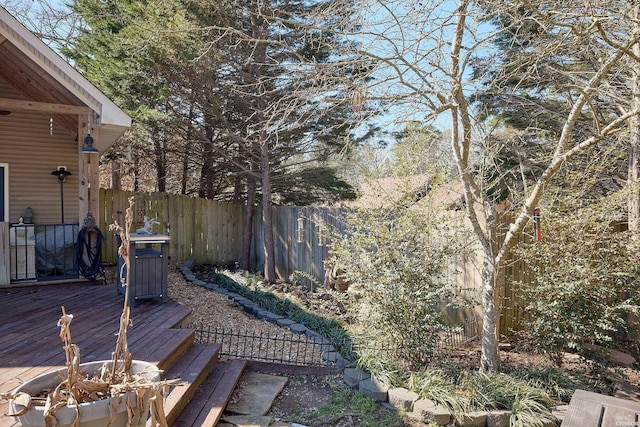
(4, 192)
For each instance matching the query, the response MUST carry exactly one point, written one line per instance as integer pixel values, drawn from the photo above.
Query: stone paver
(402, 399)
(428, 411)
(374, 389)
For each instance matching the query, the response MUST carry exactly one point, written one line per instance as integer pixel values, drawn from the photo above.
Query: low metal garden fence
(286, 348)
(309, 350)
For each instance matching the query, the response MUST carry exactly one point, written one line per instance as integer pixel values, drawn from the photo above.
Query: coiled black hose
(89, 252)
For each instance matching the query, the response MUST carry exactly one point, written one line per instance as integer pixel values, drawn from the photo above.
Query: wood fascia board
(42, 107)
(59, 69)
(48, 60)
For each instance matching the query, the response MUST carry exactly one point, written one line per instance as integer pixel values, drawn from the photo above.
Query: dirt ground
(305, 396)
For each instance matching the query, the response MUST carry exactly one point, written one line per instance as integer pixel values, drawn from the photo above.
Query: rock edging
(429, 411)
(401, 399)
(329, 353)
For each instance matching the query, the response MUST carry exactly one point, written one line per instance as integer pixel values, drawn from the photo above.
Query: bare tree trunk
(249, 213)
(237, 189)
(161, 165)
(116, 175)
(267, 212)
(490, 358)
(633, 171)
(634, 146)
(184, 179)
(136, 172)
(185, 172)
(206, 173)
(461, 136)
(258, 75)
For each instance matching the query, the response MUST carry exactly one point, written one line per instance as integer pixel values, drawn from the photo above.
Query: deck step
(210, 401)
(180, 344)
(192, 369)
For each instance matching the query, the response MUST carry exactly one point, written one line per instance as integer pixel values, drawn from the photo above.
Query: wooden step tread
(191, 370)
(209, 402)
(588, 409)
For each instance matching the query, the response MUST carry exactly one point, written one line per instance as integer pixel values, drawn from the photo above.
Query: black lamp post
(62, 173)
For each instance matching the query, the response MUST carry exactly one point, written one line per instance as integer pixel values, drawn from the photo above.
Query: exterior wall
(33, 148)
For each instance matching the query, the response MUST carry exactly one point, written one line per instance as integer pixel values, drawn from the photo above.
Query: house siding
(33, 147)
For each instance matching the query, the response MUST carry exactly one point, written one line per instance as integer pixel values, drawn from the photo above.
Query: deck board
(588, 409)
(191, 370)
(209, 402)
(30, 344)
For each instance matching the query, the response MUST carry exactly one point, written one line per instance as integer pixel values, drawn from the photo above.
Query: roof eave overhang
(109, 115)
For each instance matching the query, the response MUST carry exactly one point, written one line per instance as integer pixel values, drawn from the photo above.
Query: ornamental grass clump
(464, 391)
(113, 380)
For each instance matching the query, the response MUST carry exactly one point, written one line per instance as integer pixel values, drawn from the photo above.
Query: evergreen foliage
(584, 281)
(205, 82)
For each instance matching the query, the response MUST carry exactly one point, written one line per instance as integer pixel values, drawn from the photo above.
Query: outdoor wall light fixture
(88, 145)
(62, 173)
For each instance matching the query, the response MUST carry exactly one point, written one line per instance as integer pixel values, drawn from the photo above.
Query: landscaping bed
(528, 366)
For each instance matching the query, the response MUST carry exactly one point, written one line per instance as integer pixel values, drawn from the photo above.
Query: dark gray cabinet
(149, 256)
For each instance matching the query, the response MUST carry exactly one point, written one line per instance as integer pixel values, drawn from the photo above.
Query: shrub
(584, 282)
(397, 261)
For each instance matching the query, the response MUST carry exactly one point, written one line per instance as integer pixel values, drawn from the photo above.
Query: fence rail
(303, 350)
(290, 349)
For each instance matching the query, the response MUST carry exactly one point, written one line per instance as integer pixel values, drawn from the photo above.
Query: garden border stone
(474, 419)
(298, 328)
(284, 322)
(353, 376)
(429, 411)
(499, 418)
(374, 389)
(402, 399)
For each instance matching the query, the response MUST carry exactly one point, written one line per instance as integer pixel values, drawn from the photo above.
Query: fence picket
(211, 232)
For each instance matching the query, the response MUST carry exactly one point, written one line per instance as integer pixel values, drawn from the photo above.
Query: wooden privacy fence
(513, 270)
(206, 230)
(300, 237)
(211, 233)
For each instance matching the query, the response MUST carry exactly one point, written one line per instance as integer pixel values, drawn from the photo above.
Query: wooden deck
(30, 342)
(588, 409)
